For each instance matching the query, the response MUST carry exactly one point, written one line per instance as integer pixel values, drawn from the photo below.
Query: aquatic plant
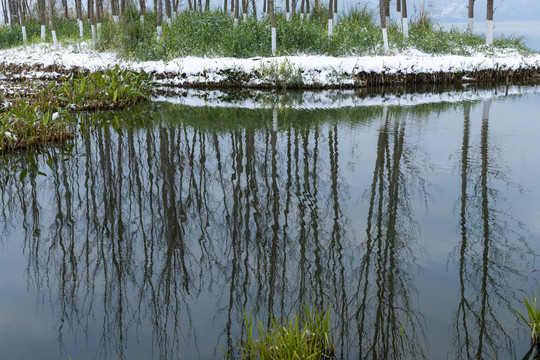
(532, 318)
(115, 88)
(27, 124)
(304, 336)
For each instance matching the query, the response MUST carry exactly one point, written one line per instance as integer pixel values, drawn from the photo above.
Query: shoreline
(43, 62)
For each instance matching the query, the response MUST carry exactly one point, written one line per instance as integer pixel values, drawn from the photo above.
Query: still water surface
(417, 226)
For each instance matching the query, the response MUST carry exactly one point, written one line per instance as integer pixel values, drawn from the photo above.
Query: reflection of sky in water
(330, 173)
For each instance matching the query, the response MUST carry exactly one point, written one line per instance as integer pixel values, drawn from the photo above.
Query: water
(417, 225)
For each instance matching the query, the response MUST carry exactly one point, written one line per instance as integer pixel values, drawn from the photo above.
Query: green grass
(304, 336)
(194, 33)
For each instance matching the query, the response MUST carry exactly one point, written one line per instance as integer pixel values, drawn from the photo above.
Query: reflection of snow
(332, 99)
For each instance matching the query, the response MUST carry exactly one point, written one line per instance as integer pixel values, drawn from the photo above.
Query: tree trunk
(265, 10)
(272, 26)
(91, 18)
(236, 10)
(4, 11)
(142, 5)
(122, 7)
(382, 4)
(489, 23)
(98, 13)
(51, 19)
(207, 5)
(398, 13)
(159, 19)
(335, 13)
(168, 12)
(254, 9)
(471, 15)
(330, 17)
(302, 4)
(23, 26)
(387, 12)
(404, 15)
(41, 9)
(287, 10)
(65, 5)
(244, 9)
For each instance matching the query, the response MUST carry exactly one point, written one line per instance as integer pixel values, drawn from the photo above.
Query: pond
(412, 216)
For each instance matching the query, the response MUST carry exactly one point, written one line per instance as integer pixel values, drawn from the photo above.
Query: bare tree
(142, 5)
(398, 13)
(471, 15)
(22, 15)
(159, 13)
(330, 17)
(489, 23)
(41, 9)
(168, 11)
(383, 24)
(335, 13)
(272, 25)
(387, 11)
(99, 12)
(53, 30)
(287, 10)
(236, 6)
(92, 19)
(78, 9)
(405, 21)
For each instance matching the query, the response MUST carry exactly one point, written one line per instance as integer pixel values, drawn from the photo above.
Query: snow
(322, 70)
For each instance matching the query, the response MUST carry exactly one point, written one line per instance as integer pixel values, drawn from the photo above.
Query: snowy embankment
(411, 67)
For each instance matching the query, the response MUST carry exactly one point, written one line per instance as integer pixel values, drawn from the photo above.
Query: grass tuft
(532, 318)
(304, 336)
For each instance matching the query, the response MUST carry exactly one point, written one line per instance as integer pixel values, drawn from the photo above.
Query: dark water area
(413, 218)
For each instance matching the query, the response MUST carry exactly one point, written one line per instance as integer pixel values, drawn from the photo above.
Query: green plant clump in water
(532, 318)
(114, 89)
(28, 125)
(304, 336)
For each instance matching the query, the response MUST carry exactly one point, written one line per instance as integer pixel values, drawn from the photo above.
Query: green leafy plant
(532, 318)
(28, 125)
(304, 336)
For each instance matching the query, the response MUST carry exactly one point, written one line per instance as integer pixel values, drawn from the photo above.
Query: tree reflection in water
(145, 228)
(491, 244)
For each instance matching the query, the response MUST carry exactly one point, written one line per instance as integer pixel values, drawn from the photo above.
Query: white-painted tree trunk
(302, 16)
(471, 24)
(169, 21)
(235, 22)
(93, 29)
(405, 27)
(489, 32)
(43, 31)
(98, 30)
(274, 42)
(387, 21)
(308, 15)
(115, 18)
(334, 20)
(274, 121)
(142, 19)
(244, 16)
(159, 32)
(24, 33)
(174, 14)
(330, 27)
(288, 16)
(81, 28)
(399, 20)
(385, 40)
(55, 39)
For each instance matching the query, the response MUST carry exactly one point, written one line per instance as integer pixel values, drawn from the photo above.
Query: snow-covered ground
(42, 61)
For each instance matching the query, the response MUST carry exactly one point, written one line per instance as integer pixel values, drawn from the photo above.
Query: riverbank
(44, 62)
